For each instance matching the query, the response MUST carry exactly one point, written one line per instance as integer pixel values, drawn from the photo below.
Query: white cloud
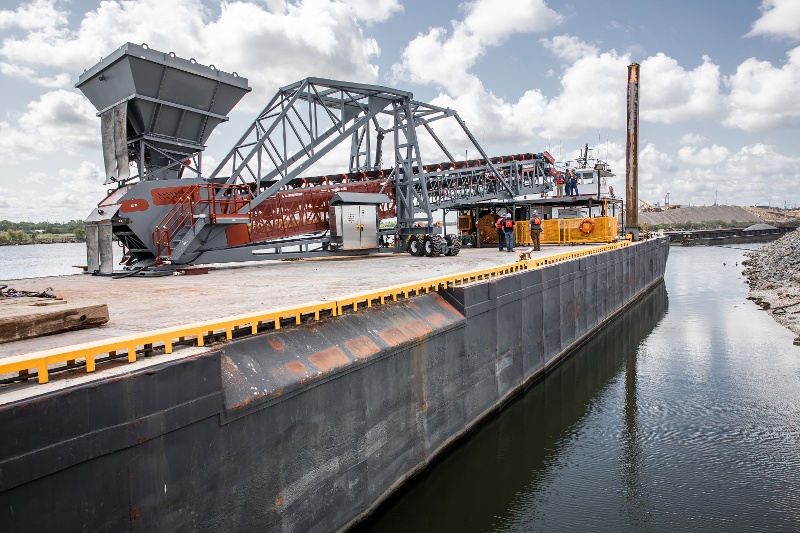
(757, 173)
(443, 58)
(692, 139)
(670, 94)
(28, 74)
(592, 97)
(737, 178)
(493, 21)
(779, 18)
(569, 48)
(708, 156)
(248, 39)
(70, 193)
(740, 180)
(374, 10)
(656, 168)
(494, 120)
(300, 39)
(763, 96)
(58, 121)
(36, 15)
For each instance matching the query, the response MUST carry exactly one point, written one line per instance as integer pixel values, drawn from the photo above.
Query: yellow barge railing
(42, 361)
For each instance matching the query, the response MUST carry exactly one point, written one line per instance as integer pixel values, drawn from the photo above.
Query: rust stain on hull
(296, 367)
(328, 359)
(437, 319)
(419, 328)
(275, 343)
(393, 336)
(362, 347)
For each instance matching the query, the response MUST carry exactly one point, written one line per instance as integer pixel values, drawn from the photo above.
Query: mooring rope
(14, 293)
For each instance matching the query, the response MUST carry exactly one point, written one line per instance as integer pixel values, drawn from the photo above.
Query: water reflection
(685, 418)
(494, 481)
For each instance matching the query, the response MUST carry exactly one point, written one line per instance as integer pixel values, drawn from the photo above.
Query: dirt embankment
(774, 216)
(721, 215)
(774, 279)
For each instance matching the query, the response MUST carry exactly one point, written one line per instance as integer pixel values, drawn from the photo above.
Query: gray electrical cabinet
(354, 219)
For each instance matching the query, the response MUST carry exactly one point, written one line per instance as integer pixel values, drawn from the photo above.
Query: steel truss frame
(303, 123)
(315, 115)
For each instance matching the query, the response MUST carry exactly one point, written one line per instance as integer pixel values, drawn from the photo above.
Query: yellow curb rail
(423, 287)
(42, 361)
(549, 260)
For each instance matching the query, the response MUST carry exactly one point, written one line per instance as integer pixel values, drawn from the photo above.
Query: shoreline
(774, 283)
(65, 240)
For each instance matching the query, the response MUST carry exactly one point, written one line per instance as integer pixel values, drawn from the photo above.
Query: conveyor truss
(266, 196)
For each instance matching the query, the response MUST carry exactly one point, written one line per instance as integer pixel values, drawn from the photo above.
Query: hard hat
(508, 215)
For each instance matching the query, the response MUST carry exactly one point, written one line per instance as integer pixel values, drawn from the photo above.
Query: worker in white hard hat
(508, 226)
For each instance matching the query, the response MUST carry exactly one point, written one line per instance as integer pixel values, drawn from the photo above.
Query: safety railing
(212, 199)
(43, 361)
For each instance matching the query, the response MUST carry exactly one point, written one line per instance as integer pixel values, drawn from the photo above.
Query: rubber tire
(420, 245)
(433, 245)
(452, 241)
(413, 245)
(455, 247)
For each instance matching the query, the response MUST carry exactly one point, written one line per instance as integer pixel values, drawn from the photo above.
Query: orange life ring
(585, 221)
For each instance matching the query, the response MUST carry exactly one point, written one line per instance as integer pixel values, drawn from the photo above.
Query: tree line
(22, 232)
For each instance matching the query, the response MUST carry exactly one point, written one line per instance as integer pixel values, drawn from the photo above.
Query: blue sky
(720, 95)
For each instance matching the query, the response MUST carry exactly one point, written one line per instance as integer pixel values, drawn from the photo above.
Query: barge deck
(306, 428)
(137, 305)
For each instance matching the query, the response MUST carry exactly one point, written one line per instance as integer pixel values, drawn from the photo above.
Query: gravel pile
(773, 273)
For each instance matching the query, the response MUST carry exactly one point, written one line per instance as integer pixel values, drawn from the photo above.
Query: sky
(719, 100)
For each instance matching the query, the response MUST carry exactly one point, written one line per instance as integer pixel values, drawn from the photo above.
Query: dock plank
(25, 318)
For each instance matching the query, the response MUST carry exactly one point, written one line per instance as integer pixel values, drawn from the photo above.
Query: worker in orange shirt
(536, 230)
(560, 184)
(501, 234)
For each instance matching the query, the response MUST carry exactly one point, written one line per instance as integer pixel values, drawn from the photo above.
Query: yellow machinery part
(487, 230)
(568, 231)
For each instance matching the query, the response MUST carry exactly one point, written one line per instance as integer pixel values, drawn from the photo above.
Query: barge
(308, 427)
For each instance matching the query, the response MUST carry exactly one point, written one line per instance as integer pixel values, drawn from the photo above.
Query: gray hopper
(170, 104)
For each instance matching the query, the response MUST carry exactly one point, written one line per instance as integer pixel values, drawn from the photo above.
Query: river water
(682, 415)
(37, 260)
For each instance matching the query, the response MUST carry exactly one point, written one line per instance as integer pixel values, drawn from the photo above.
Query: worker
(536, 230)
(560, 184)
(573, 182)
(501, 234)
(508, 226)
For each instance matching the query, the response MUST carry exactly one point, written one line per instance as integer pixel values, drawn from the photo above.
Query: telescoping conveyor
(264, 200)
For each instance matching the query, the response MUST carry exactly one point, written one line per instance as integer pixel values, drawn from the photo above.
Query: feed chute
(157, 110)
